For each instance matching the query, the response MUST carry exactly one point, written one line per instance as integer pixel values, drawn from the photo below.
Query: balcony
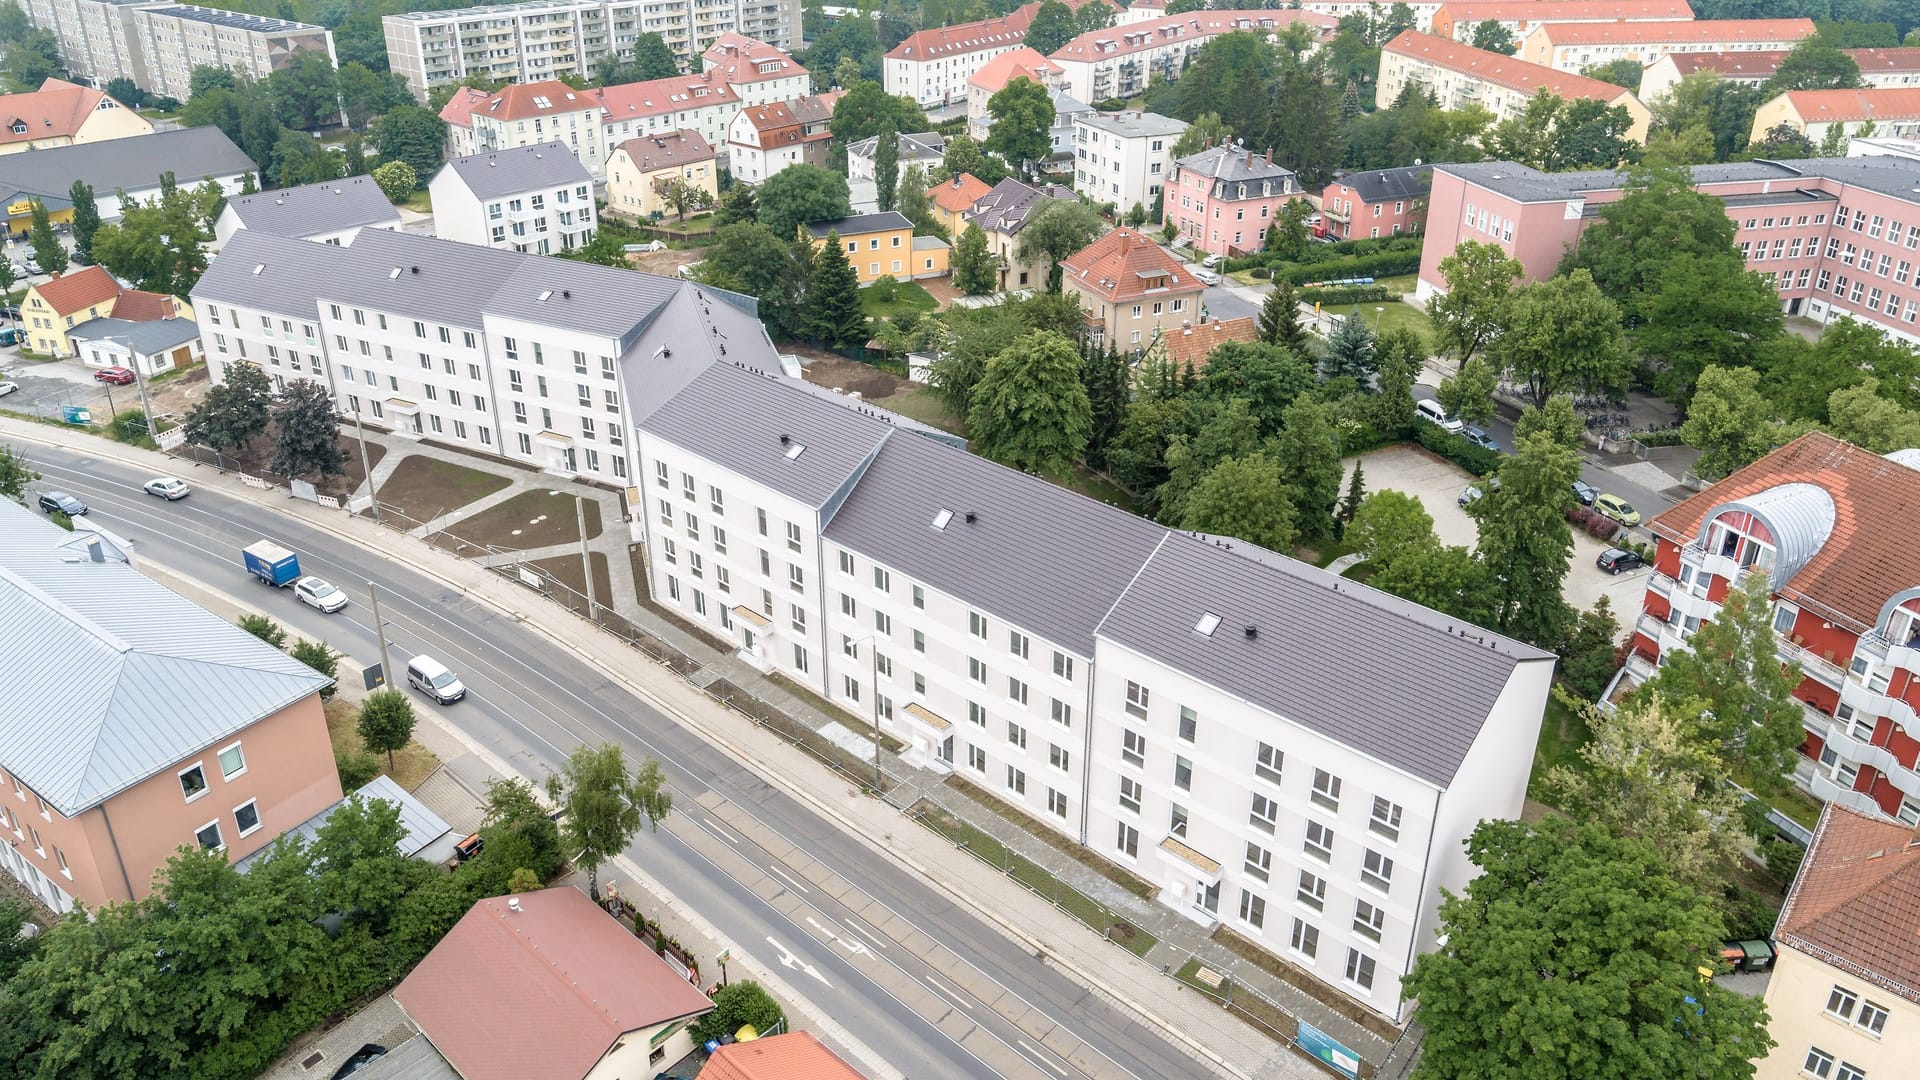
(1823, 787)
(1816, 667)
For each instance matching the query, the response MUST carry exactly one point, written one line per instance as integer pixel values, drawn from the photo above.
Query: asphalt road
(926, 985)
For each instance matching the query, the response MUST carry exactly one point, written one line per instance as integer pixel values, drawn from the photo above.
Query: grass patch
(1035, 877)
(565, 569)
(411, 764)
(1041, 831)
(1095, 486)
(1563, 732)
(862, 723)
(1402, 316)
(530, 519)
(424, 487)
(907, 296)
(1255, 1010)
(925, 406)
(1280, 969)
(420, 202)
(1323, 557)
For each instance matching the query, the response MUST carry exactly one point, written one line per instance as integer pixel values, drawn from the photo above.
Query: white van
(431, 677)
(1429, 410)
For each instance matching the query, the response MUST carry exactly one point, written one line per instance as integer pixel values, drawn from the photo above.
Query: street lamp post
(1378, 314)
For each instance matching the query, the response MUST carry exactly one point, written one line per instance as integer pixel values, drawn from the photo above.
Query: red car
(118, 376)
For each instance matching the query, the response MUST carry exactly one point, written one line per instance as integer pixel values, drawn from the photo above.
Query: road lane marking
(947, 992)
(789, 880)
(715, 826)
(1040, 1056)
(788, 960)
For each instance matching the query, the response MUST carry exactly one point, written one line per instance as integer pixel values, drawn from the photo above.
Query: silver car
(167, 487)
(318, 593)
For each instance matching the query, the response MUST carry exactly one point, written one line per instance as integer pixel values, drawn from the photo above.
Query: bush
(1383, 264)
(356, 768)
(1595, 524)
(1477, 460)
(316, 655)
(1668, 437)
(1262, 273)
(885, 288)
(734, 1005)
(265, 629)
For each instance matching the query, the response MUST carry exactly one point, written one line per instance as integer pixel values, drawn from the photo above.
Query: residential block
(1223, 199)
(1118, 61)
(158, 44)
(1521, 17)
(1376, 202)
(536, 199)
(1575, 47)
(1460, 75)
(1123, 157)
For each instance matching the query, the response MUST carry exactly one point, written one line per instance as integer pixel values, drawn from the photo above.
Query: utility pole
(380, 632)
(586, 563)
(140, 380)
(360, 432)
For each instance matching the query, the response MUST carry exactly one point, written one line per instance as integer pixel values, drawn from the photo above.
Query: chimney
(95, 551)
(1249, 159)
(1269, 155)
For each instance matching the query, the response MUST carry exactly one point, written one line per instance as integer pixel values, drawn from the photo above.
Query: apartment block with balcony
(1457, 20)
(933, 66)
(536, 199)
(157, 44)
(1424, 11)
(1118, 62)
(1459, 75)
(1821, 518)
(1881, 69)
(1224, 198)
(1578, 46)
(1836, 236)
(531, 114)
(133, 722)
(1376, 202)
(1148, 694)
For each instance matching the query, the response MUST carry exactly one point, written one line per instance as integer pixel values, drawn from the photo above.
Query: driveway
(46, 387)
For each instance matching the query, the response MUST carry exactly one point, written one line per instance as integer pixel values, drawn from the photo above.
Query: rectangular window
(1259, 862)
(233, 762)
(849, 607)
(1319, 842)
(1133, 748)
(799, 658)
(1017, 690)
(1182, 774)
(1130, 790)
(1017, 735)
(1062, 665)
(976, 712)
(1819, 1063)
(1267, 763)
(1312, 891)
(1057, 803)
(1386, 819)
(1368, 921)
(1058, 757)
(882, 622)
(882, 580)
(209, 836)
(1137, 699)
(1263, 814)
(1841, 1003)
(1872, 1017)
(1376, 870)
(796, 578)
(1017, 643)
(1326, 789)
(1189, 724)
(1253, 910)
(247, 817)
(793, 537)
(976, 670)
(1129, 843)
(1359, 969)
(193, 782)
(919, 597)
(1849, 1071)
(977, 758)
(846, 562)
(1063, 715)
(919, 641)
(1306, 939)
(977, 625)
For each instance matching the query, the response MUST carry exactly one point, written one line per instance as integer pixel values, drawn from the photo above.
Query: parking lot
(47, 388)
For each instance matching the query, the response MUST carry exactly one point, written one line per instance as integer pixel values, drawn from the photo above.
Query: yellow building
(52, 308)
(883, 245)
(1844, 999)
(641, 168)
(62, 114)
(951, 199)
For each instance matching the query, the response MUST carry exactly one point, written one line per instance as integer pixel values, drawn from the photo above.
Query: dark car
(1619, 561)
(61, 502)
(118, 376)
(361, 1058)
(1585, 492)
(1480, 438)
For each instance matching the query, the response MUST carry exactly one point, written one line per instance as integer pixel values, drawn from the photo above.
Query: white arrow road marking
(788, 960)
(852, 946)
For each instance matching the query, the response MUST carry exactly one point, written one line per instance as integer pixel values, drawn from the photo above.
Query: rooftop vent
(566, 294)
(1252, 631)
(513, 903)
(414, 269)
(972, 517)
(258, 267)
(940, 519)
(785, 439)
(1209, 622)
(545, 295)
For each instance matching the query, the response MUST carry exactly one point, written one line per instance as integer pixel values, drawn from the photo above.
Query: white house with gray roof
(150, 347)
(330, 212)
(536, 199)
(1123, 157)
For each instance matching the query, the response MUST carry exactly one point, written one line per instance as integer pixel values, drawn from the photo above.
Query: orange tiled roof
(55, 111)
(739, 59)
(1190, 346)
(795, 1055)
(1124, 265)
(1194, 26)
(1855, 903)
(1832, 106)
(458, 111)
(1498, 69)
(996, 33)
(1866, 558)
(79, 290)
(136, 306)
(1691, 31)
(1023, 62)
(1475, 12)
(1885, 60)
(523, 101)
(658, 97)
(958, 194)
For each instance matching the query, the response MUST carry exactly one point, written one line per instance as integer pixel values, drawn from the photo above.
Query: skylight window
(794, 450)
(940, 519)
(546, 295)
(1209, 622)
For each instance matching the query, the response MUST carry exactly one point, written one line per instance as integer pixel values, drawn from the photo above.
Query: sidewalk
(1187, 1019)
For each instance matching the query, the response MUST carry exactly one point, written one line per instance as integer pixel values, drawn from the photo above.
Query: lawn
(530, 519)
(420, 202)
(906, 296)
(411, 764)
(925, 406)
(565, 569)
(1094, 486)
(1562, 733)
(422, 488)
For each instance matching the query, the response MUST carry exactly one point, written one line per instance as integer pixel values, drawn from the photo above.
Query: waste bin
(1759, 956)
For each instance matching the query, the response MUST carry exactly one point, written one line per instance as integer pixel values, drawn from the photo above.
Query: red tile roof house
(547, 985)
(1130, 287)
(795, 1055)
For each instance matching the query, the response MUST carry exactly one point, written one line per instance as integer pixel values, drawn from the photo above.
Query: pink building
(1222, 199)
(1376, 202)
(1836, 236)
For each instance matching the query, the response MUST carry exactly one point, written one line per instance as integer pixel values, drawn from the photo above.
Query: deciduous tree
(1447, 579)
(1525, 541)
(1229, 78)
(15, 474)
(318, 656)
(963, 155)
(396, 179)
(1559, 335)
(1269, 378)
(411, 134)
(1813, 64)
(737, 1005)
(604, 805)
(798, 194)
(1206, 129)
(264, 628)
(1467, 394)
(1573, 955)
(1243, 498)
(1055, 229)
(1469, 313)
(975, 272)
(234, 410)
(1729, 422)
(1706, 310)
(1493, 36)
(386, 722)
(307, 432)
(866, 110)
(1053, 25)
(1387, 525)
(1022, 114)
(1307, 450)
(1030, 409)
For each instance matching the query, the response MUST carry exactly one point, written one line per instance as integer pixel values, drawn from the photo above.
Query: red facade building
(1827, 521)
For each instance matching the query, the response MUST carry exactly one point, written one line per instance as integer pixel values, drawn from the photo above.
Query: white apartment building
(530, 114)
(1124, 157)
(158, 44)
(763, 139)
(514, 117)
(697, 103)
(1118, 62)
(535, 199)
(330, 212)
(1459, 75)
(1423, 11)
(1158, 697)
(545, 39)
(533, 359)
(927, 149)
(932, 66)
(758, 73)
(1578, 46)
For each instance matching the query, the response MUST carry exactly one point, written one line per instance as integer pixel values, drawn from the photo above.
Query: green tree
(353, 156)
(1303, 114)
(234, 411)
(739, 204)
(833, 310)
(1243, 498)
(1055, 229)
(737, 1005)
(1467, 394)
(1402, 356)
(86, 221)
(1556, 420)
(1813, 64)
(1861, 416)
(1389, 524)
(158, 244)
(397, 180)
(1480, 279)
(298, 159)
(651, 58)
(1800, 379)
(1022, 115)
(1307, 450)
(1350, 351)
(963, 155)
(35, 58)
(1229, 77)
(865, 110)
(1658, 218)
(207, 77)
(1525, 541)
(1573, 954)
(1106, 377)
(365, 93)
(1268, 378)
(1706, 310)
(411, 134)
(46, 246)
(1446, 579)
(1053, 25)
(15, 474)
(307, 432)
(1731, 667)
(1356, 494)
(1206, 129)
(265, 629)
(1729, 422)
(306, 92)
(1279, 318)
(857, 39)
(1493, 36)
(1559, 335)
(886, 168)
(317, 655)
(1622, 73)
(386, 722)
(911, 199)
(603, 805)
(1589, 658)
(1030, 409)
(681, 195)
(1288, 236)
(1215, 431)
(975, 271)
(978, 336)
(799, 194)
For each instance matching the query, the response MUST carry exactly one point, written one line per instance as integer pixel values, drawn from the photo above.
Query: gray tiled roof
(312, 209)
(147, 338)
(1373, 185)
(135, 164)
(1036, 555)
(698, 327)
(1400, 682)
(496, 174)
(1898, 177)
(919, 146)
(289, 273)
(415, 1059)
(1233, 163)
(1007, 206)
(861, 223)
(420, 826)
(110, 677)
(737, 419)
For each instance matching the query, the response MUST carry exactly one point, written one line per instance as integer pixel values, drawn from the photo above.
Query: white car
(168, 488)
(1210, 261)
(8, 386)
(316, 593)
(1206, 277)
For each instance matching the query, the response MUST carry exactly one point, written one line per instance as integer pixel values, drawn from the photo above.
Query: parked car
(1479, 437)
(1619, 561)
(8, 386)
(1469, 494)
(1431, 411)
(118, 376)
(168, 488)
(19, 273)
(33, 264)
(1617, 508)
(62, 502)
(361, 1059)
(319, 593)
(1210, 261)
(1206, 277)
(1585, 492)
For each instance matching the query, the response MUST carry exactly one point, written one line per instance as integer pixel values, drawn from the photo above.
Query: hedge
(1384, 264)
(1477, 460)
(1341, 295)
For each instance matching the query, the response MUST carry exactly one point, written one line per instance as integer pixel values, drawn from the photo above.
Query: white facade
(157, 43)
(575, 123)
(540, 221)
(758, 72)
(1423, 12)
(1123, 158)
(932, 66)
(1118, 62)
(686, 103)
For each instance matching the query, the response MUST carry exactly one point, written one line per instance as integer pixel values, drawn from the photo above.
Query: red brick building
(1826, 519)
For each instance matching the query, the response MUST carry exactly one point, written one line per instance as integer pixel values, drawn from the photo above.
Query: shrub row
(1668, 437)
(1383, 264)
(1477, 460)
(1316, 254)
(1593, 523)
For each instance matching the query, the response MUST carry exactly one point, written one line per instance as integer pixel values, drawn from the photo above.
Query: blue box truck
(271, 563)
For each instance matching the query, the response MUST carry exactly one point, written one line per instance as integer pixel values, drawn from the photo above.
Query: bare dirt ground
(840, 373)
(666, 262)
